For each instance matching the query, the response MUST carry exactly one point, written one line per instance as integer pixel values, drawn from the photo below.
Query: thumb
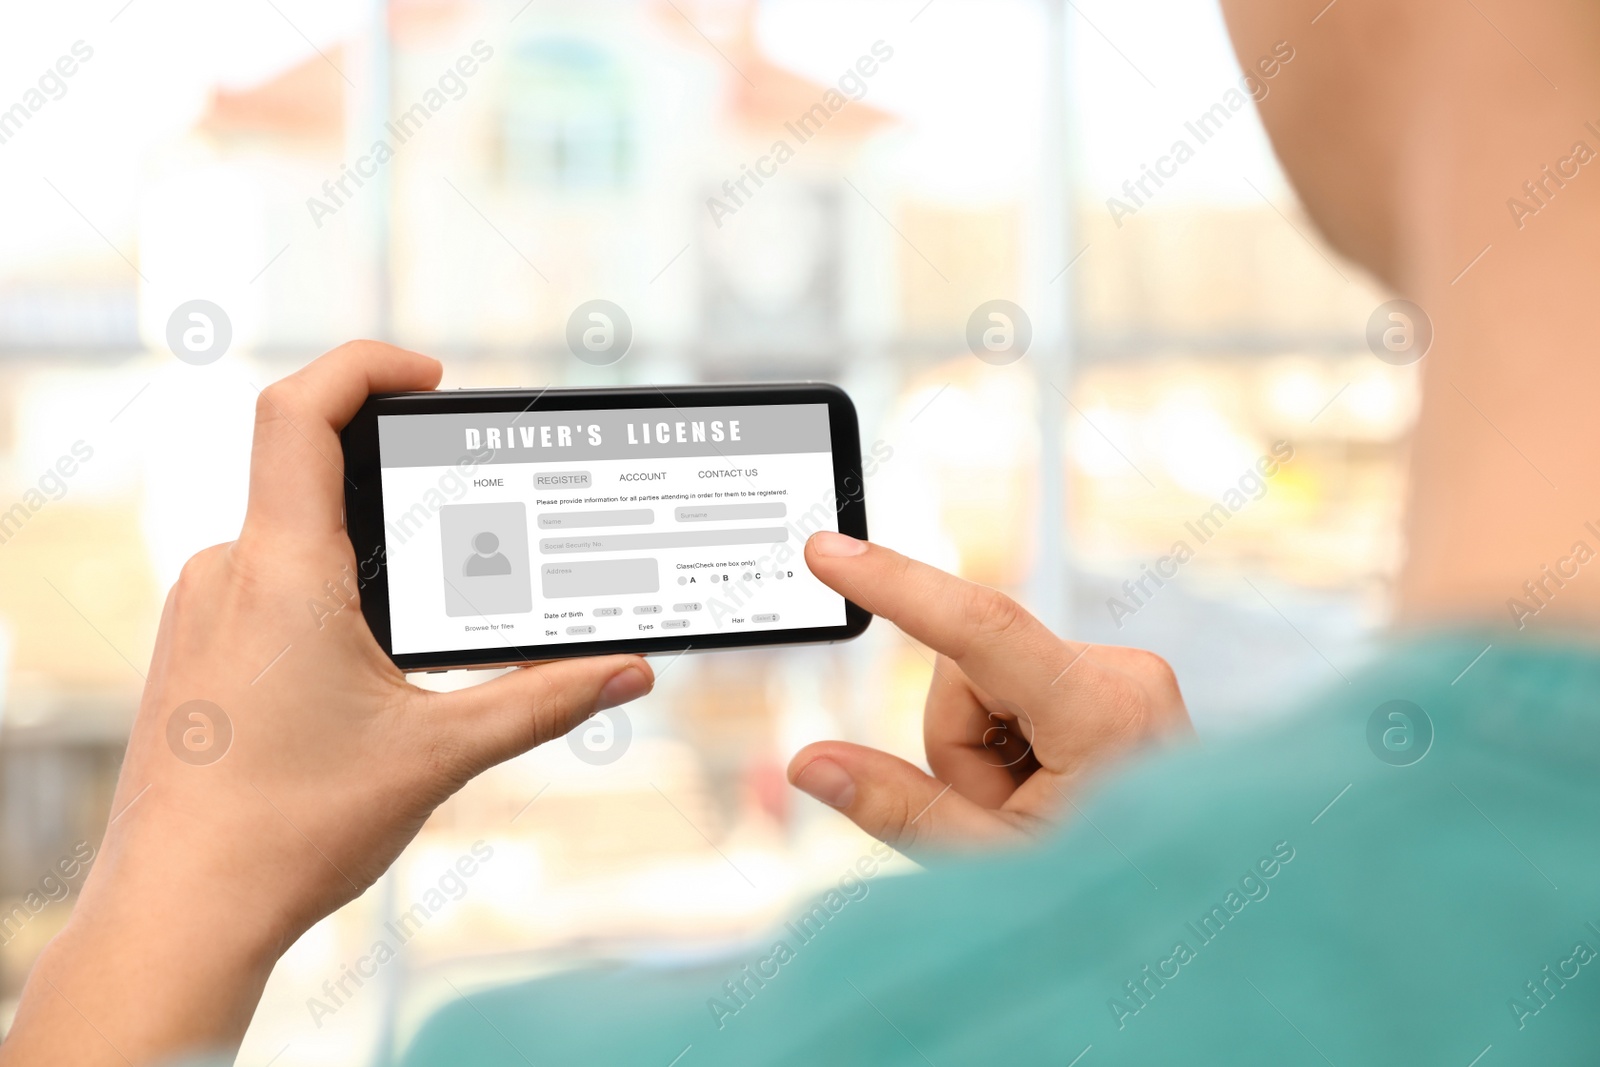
(893, 800)
(497, 720)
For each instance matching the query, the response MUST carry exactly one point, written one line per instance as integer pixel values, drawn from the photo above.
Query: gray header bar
(445, 440)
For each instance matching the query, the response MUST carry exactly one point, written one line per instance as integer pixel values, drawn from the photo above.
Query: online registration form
(520, 528)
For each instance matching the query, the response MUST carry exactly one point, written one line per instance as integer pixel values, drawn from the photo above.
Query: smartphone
(498, 527)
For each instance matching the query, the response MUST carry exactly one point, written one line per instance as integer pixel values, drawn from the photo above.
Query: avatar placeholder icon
(484, 559)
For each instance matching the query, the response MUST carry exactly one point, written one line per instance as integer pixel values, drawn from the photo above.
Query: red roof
(764, 95)
(305, 102)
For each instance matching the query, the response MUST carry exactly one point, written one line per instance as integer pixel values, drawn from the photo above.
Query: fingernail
(627, 684)
(828, 782)
(828, 543)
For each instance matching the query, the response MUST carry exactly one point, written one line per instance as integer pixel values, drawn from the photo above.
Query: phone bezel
(365, 525)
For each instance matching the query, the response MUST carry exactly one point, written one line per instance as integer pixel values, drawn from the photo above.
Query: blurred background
(938, 155)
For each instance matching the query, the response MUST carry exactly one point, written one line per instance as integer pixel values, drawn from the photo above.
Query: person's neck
(1504, 516)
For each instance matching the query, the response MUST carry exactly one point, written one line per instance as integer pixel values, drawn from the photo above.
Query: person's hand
(1016, 717)
(210, 870)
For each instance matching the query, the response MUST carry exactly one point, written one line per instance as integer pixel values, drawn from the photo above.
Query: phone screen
(521, 528)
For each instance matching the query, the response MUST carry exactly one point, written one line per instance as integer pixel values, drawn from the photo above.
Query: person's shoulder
(1426, 713)
(1402, 815)
(1405, 755)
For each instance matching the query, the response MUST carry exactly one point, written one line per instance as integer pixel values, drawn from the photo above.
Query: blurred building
(606, 150)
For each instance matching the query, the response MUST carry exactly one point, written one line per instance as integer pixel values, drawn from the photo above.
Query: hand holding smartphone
(497, 527)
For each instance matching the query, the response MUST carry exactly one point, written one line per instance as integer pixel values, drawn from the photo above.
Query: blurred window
(568, 122)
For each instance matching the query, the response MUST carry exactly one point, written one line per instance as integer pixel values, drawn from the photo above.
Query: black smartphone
(497, 527)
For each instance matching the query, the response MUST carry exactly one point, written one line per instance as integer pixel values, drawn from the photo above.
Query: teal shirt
(1288, 897)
